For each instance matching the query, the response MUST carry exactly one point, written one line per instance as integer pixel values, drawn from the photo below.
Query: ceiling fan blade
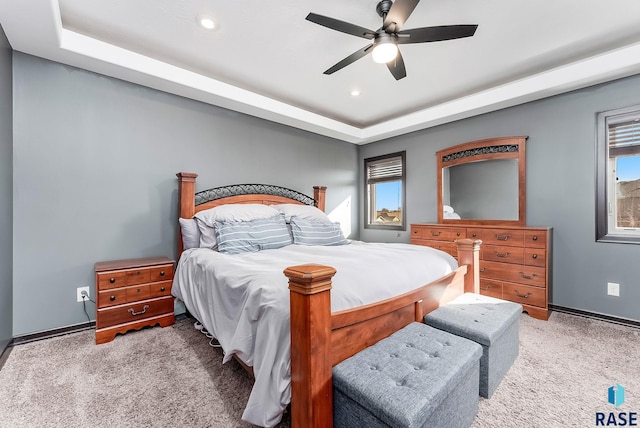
(350, 59)
(436, 34)
(398, 14)
(396, 67)
(343, 27)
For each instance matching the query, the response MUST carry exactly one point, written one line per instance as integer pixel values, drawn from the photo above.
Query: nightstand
(132, 294)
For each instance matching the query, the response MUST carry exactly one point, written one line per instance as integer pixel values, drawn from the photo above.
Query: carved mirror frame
(483, 150)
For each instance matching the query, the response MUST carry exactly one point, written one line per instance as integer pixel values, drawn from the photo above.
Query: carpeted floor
(171, 377)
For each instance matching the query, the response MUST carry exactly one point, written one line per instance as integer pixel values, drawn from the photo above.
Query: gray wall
(94, 176)
(6, 197)
(560, 189)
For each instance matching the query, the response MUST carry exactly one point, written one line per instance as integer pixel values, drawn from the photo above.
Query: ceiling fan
(384, 48)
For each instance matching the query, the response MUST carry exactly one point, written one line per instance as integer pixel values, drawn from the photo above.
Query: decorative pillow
(190, 233)
(314, 232)
(231, 212)
(235, 237)
(302, 211)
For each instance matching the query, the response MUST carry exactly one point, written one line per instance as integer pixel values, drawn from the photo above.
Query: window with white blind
(618, 176)
(385, 191)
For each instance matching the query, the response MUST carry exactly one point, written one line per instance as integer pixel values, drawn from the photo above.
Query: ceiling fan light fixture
(385, 50)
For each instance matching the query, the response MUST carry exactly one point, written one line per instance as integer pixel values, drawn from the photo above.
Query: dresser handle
(483, 269)
(161, 288)
(134, 313)
(534, 256)
(161, 273)
(487, 287)
(526, 276)
(112, 280)
(503, 254)
(503, 237)
(112, 298)
(434, 233)
(535, 238)
(524, 296)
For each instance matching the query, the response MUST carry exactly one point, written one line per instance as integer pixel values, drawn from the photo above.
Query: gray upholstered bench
(417, 377)
(493, 323)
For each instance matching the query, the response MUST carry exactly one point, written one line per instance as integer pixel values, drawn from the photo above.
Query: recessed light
(206, 22)
(355, 93)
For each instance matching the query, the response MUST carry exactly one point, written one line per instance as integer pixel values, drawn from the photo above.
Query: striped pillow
(313, 232)
(235, 237)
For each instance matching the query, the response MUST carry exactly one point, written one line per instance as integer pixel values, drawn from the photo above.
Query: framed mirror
(483, 182)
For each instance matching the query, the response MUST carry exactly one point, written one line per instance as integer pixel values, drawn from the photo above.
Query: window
(618, 176)
(384, 190)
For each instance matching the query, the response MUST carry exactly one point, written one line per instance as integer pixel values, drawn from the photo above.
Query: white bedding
(243, 300)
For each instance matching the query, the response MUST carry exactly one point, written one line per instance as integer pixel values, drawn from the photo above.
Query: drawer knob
(134, 313)
(503, 255)
(524, 296)
(161, 288)
(457, 233)
(474, 235)
(523, 275)
(161, 273)
(112, 280)
(534, 256)
(112, 298)
(535, 238)
(137, 290)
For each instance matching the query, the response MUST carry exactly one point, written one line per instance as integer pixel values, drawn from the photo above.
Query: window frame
(367, 190)
(605, 184)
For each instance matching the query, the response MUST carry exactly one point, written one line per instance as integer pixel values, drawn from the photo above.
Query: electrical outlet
(79, 291)
(613, 289)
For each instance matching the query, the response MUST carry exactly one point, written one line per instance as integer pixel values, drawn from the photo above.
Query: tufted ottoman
(493, 323)
(417, 377)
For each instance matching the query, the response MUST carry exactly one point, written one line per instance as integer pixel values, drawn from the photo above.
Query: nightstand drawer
(138, 292)
(159, 289)
(161, 273)
(122, 278)
(134, 311)
(116, 296)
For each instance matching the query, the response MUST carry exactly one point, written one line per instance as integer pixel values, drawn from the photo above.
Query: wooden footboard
(320, 339)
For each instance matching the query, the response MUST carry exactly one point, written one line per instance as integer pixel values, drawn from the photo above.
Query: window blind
(389, 169)
(624, 138)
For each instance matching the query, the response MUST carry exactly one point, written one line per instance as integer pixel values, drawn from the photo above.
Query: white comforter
(243, 300)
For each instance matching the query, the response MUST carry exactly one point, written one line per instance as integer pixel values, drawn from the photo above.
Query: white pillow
(307, 212)
(190, 233)
(235, 212)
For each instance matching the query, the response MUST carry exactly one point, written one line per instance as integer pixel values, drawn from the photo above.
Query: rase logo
(615, 396)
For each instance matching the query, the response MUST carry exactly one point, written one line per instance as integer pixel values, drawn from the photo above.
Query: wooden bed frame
(321, 339)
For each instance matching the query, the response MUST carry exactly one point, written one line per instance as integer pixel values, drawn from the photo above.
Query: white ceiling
(266, 60)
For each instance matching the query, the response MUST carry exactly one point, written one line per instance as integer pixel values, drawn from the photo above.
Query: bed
(291, 337)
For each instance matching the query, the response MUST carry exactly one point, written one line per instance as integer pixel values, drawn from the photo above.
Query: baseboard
(20, 340)
(595, 315)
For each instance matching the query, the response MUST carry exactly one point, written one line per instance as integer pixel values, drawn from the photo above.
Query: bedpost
(469, 254)
(318, 195)
(186, 199)
(311, 379)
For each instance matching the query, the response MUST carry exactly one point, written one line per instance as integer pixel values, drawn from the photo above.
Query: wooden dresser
(132, 294)
(515, 262)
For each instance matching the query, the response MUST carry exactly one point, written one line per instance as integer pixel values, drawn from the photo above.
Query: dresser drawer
(438, 233)
(491, 288)
(535, 238)
(508, 237)
(524, 294)
(122, 278)
(535, 257)
(529, 275)
(133, 311)
(447, 247)
(502, 254)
